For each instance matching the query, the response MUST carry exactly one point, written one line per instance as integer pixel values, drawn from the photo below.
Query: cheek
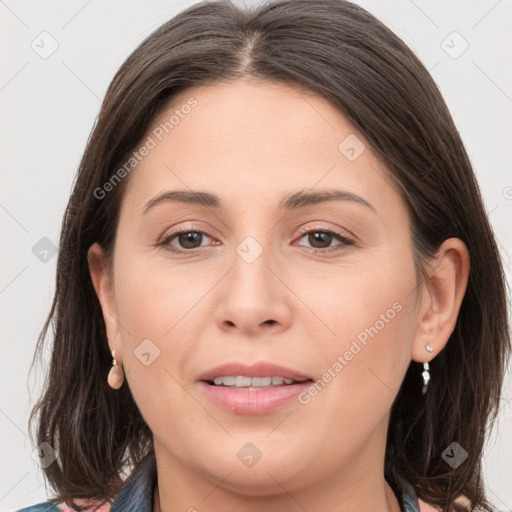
(152, 313)
(368, 317)
(363, 356)
(155, 300)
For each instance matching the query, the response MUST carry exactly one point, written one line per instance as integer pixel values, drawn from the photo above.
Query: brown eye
(184, 241)
(320, 240)
(190, 239)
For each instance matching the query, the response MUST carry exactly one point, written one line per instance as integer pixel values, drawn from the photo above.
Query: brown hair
(341, 52)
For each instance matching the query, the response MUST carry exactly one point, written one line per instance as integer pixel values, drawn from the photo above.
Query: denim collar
(136, 494)
(406, 496)
(410, 499)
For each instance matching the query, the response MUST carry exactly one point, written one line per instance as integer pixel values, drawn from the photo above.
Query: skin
(251, 143)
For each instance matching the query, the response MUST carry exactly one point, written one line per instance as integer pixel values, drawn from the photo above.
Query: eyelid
(335, 230)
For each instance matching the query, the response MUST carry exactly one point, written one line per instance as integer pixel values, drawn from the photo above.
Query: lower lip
(243, 401)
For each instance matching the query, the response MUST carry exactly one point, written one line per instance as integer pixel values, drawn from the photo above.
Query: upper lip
(259, 369)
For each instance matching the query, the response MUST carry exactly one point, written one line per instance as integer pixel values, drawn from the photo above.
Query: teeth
(260, 381)
(241, 381)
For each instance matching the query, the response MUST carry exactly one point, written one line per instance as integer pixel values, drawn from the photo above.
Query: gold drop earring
(116, 375)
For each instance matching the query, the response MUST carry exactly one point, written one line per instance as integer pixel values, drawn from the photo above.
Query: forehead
(243, 111)
(248, 138)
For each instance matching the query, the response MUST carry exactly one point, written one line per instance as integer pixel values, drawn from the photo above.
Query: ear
(441, 297)
(102, 279)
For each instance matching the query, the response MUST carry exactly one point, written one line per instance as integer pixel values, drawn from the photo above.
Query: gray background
(48, 107)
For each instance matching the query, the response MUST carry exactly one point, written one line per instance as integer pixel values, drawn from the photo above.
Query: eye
(186, 240)
(321, 239)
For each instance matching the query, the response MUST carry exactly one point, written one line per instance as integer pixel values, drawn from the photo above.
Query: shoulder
(461, 500)
(41, 507)
(425, 507)
(137, 489)
(48, 506)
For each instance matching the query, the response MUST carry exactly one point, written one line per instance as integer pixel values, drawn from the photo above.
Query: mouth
(252, 390)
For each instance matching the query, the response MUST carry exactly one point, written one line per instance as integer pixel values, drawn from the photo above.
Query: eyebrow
(292, 201)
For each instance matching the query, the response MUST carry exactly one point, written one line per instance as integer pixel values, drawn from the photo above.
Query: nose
(254, 298)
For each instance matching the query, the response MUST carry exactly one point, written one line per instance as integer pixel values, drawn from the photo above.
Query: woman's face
(259, 279)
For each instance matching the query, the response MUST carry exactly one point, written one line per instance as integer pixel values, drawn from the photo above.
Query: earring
(116, 375)
(426, 377)
(429, 348)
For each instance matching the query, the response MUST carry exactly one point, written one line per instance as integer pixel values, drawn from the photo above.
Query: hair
(341, 52)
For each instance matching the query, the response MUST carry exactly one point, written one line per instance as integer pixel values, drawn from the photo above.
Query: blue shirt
(136, 494)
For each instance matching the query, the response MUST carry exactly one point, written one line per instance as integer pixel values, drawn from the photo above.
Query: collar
(136, 494)
(406, 495)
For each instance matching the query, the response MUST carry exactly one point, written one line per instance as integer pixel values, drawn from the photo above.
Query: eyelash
(345, 241)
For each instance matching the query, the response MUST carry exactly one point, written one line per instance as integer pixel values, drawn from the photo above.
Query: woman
(277, 285)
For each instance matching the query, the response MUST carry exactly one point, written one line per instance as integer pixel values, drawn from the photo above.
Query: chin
(265, 481)
(264, 475)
